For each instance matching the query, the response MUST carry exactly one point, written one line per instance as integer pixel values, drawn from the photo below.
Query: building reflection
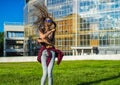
(83, 26)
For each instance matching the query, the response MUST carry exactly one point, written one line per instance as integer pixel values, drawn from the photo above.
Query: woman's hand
(39, 40)
(53, 30)
(44, 35)
(47, 42)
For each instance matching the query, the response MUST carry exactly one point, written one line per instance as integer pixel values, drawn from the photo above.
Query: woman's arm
(43, 36)
(47, 41)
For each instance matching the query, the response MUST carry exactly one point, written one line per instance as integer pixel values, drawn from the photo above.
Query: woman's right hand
(53, 30)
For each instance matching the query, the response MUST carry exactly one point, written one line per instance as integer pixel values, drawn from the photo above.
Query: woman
(47, 39)
(47, 33)
(47, 53)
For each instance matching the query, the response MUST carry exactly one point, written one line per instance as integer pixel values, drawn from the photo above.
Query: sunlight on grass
(67, 73)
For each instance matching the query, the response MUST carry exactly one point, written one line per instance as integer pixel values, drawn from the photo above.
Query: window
(15, 34)
(59, 42)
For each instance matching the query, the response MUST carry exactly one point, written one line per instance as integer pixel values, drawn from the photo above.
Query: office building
(31, 34)
(95, 26)
(13, 39)
(86, 26)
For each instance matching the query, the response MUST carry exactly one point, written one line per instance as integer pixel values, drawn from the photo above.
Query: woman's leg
(44, 67)
(50, 67)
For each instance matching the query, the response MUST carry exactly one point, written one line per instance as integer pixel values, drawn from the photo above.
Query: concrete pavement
(65, 58)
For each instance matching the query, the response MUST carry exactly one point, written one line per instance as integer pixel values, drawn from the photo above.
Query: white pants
(47, 70)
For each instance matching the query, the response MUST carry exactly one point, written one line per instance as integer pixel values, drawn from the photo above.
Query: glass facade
(61, 8)
(31, 33)
(104, 18)
(83, 25)
(62, 11)
(86, 23)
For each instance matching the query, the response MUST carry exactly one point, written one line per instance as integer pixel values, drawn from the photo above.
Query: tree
(1, 43)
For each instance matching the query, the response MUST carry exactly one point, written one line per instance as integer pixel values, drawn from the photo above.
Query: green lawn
(67, 73)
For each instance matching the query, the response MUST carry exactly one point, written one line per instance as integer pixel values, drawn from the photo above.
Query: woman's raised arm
(43, 36)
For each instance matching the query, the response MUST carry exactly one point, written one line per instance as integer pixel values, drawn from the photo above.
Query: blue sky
(11, 11)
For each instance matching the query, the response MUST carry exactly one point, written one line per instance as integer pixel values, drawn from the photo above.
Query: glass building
(94, 26)
(62, 11)
(30, 44)
(86, 26)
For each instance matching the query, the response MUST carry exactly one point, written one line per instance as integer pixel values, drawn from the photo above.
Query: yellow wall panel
(94, 42)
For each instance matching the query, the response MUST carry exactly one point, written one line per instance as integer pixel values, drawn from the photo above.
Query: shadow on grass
(97, 81)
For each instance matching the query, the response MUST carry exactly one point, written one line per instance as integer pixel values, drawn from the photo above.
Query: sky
(11, 11)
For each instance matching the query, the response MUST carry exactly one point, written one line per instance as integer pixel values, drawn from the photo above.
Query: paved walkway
(65, 58)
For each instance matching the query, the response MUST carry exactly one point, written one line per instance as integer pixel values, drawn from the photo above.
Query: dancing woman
(47, 53)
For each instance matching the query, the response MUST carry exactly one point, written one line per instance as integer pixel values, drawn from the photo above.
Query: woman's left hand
(53, 30)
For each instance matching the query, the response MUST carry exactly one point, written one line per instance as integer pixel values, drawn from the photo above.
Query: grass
(67, 73)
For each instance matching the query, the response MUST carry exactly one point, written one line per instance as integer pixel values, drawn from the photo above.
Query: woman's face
(48, 21)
